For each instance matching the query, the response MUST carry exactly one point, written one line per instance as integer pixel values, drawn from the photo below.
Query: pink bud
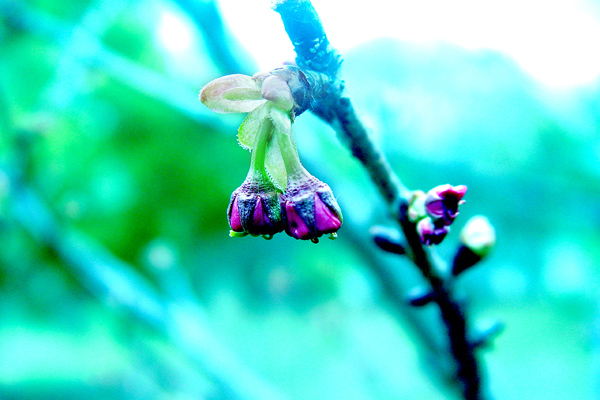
(254, 210)
(430, 233)
(442, 202)
(311, 210)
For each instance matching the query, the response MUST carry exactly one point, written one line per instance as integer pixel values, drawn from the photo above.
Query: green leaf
(251, 126)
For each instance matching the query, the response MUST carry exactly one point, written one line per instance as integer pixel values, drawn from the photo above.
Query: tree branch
(94, 55)
(314, 53)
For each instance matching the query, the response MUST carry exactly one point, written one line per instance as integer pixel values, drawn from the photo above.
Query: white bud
(478, 235)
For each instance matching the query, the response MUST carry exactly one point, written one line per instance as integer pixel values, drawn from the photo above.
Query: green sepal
(251, 126)
(233, 233)
(274, 164)
(274, 161)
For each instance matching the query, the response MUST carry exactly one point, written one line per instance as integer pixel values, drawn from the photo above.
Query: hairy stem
(259, 151)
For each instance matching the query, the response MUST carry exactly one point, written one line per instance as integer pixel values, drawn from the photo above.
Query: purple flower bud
(430, 233)
(442, 203)
(255, 210)
(311, 210)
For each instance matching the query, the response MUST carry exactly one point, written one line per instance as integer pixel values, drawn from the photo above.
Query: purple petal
(297, 227)
(260, 218)
(429, 233)
(435, 208)
(325, 220)
(460, 191)
(234, 219)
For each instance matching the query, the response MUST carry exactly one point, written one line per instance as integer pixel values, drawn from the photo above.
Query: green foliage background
(104, 148)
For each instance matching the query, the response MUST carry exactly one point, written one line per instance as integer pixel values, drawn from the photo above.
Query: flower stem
(257, 164)
(289, 153)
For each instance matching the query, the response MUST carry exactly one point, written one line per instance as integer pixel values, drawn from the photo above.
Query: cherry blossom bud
(311, 210)
(298, 84)
(478, 235)
(478, 238)
(416, 206)
(388, 239)
(430, 233)
(254, 211)
(442, 202)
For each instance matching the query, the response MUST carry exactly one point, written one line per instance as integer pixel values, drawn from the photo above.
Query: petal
(296, 226)
(435, 208)
(260, 218)
(234, 218)
(460, 191)
(325, 220)
(232, 93)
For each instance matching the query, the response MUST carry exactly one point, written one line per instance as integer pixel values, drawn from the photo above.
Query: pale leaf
(232, 93)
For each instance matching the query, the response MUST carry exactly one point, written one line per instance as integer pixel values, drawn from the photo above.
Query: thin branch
(315, 53)
(223, 47)
(93, 54)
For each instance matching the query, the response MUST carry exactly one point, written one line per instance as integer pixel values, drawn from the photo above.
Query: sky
(555, 41)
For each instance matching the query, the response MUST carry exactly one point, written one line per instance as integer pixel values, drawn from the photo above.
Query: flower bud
(430, 232)
(254, 210)
(416, 206)
(275, 89)
(420, 296)
(478, 235)
(298, 84)
(442, 202)
(485, 334)
(310, 209)
(388, 239)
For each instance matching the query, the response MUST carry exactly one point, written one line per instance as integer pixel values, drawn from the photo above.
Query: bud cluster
(278, 193)
(306, 211)
(435, 211)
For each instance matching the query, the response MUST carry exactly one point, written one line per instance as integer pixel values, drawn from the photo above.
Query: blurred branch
(115, 281)
(223, 47)
(304, 28)
(315, 53)
(90, 52)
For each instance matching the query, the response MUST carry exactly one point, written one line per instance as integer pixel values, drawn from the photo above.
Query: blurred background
(117, 276)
